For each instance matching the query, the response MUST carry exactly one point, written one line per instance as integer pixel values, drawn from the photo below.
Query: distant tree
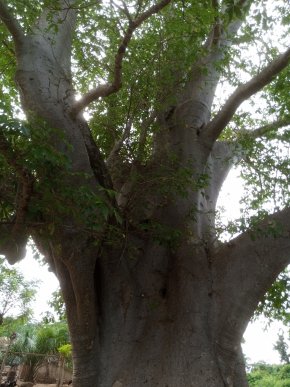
(282, 347)
(265, 375)
(42, 339)
(16, 293)
(48, 318)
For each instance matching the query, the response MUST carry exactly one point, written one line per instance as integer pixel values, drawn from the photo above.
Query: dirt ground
(48, 385)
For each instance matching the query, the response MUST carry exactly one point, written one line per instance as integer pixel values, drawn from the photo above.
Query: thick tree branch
(245, 268)
(242, 93)
(194, 100)
(106, 89)
(96, 159)
(59, 39)
(12, 24)
(220, 163)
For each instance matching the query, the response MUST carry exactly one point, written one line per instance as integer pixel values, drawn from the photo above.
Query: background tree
(122, 200)
(282, 347)
(31, 339)
(16, 294)
(269, 375)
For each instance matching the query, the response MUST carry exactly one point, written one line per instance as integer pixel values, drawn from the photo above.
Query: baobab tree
(116, 170)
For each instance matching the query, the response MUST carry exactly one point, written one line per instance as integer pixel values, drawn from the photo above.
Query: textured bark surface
(152, 308)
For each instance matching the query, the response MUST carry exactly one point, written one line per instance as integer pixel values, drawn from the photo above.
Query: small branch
(8, 48)
(243, 92)
(118, 144)
(138, 7)
(12, 24)
(221, 31)
(263, 130)
(143, 134)
(215, 5)
(125, 10)
(105, 90)
(217, 28)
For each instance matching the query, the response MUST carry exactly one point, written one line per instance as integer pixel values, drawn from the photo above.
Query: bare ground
(48, 385)
(44, 385)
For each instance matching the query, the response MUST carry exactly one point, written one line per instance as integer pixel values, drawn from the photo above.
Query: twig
(263, 130)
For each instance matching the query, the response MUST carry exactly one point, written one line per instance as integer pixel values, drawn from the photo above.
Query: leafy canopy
(163, 46)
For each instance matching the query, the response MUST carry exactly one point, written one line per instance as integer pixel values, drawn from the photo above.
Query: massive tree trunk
(153, 299)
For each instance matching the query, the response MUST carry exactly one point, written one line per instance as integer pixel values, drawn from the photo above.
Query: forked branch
(243, 92)
(204, 74)
(106, 89)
